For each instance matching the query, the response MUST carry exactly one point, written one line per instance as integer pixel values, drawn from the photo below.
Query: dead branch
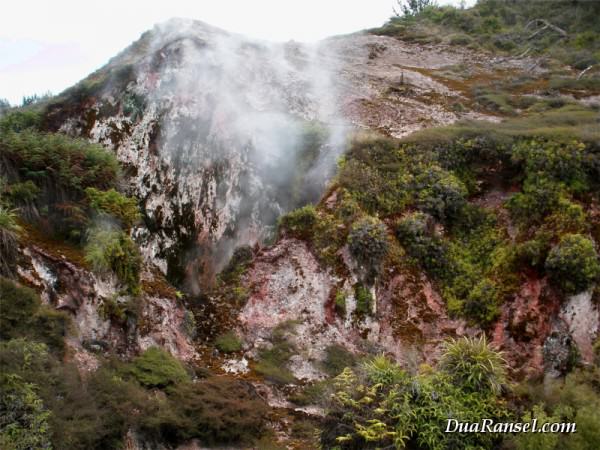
(546, 25)
(586, 70)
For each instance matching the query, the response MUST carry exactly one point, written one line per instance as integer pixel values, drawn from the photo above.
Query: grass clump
(273, 360)
(228, 343)
(114, 204)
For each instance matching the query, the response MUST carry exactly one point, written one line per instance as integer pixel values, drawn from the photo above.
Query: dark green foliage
(214, 410)
(110, 249)
(114, 204)
(481, 305)
(58, 160)
(300, 222)
(368, 244)
(380, 406)
(228, 342)
(22, 193)
(364, 300)
(24, 423)
(439, 193)
(155, 368)
(20, 120)
(573, 263)
(8, 240)
(337, 358)
(415, 233)
(23, 315)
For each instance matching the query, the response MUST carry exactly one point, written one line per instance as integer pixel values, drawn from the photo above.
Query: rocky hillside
(214, 240)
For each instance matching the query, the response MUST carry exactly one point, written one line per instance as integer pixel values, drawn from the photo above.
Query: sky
(47, 46)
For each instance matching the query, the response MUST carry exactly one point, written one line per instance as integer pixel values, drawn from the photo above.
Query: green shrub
(340, 303)
(8, 241)
(378, 405)
(24, 423)
(228, 342)
(473, 365)
(300, 223)
(573, 264)
(23, 315)
(114, 204)
(364, 300)
(20, 120)
(109, 249)
(155, 368)
(481, 305)
(415, 233)
(368, 244)
(23, 193)
(46, 159)
(440, 193)
(237, 265)
(337, 358)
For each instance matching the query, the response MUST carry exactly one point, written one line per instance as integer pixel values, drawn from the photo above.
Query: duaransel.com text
(489, 426)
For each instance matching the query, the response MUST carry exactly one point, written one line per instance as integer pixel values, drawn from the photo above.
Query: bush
(473, 365)
(300, 223)
(415, 233)
(481, 305)
(440, 193)
(364, 300)
(24, 423)
(368, 244)
(337, 358)
(23, 315)
(214, 410)
(112, 203)
(109, 249)
(155, 368)
(228, 343)
(8, 241)
(59, 160)
(573, 264)
(380, 406)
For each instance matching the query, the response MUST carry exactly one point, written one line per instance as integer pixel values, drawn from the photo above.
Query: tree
(412, 7)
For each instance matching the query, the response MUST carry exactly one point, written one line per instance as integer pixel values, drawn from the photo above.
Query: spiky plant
(8, 240)
(382, 370)
(474, 365)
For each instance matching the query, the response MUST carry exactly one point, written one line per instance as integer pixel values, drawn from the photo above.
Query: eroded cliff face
(105, 320)
(220, 135)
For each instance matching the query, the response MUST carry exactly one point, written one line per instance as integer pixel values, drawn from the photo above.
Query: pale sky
(49, 45)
